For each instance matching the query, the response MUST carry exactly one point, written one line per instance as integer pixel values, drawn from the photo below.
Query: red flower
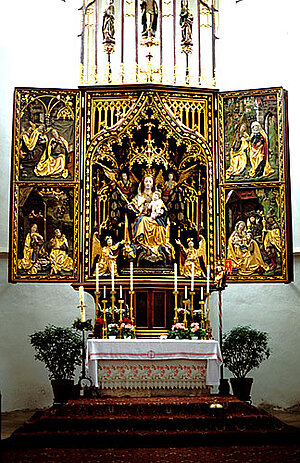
(127, 320)
(99, 321)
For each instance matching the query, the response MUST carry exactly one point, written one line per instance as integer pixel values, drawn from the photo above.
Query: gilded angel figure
(106, 255)
(192, 256)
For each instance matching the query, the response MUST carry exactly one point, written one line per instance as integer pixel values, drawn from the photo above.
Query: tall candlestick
(175, 277)
(121, 292)
(131, 276)
(201, 293)
(81, 295)
(192, 277)
(185, 292)
(207, 286)
(104, 292)
(97, 278)
(113, 276)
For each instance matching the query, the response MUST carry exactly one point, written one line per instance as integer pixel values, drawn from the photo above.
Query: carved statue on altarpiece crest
(149, 17)
(108, 23)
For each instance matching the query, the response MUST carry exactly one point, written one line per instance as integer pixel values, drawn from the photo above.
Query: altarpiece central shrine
(147, 177)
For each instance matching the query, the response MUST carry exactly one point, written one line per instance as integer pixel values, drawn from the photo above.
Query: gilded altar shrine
(146, 183)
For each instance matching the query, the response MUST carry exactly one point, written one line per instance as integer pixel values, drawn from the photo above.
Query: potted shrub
(60, 350)
(243, 349)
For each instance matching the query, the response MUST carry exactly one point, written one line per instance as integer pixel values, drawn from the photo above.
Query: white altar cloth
(154, 350)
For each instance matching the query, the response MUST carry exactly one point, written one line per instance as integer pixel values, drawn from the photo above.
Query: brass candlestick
(175, 306)
(202, 321)
(185, 303)
(192, 293)
(208, 325)
(113, 306)
(131, 293)
(104, 331)
(121, 302)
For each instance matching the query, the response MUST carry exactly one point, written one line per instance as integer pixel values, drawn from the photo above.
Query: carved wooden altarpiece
(86, 164)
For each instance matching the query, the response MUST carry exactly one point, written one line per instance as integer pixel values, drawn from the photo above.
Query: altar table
(153, 364)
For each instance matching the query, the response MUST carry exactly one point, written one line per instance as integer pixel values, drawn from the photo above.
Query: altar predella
(147, 172)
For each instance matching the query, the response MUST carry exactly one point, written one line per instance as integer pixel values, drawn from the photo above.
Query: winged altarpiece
(153, 175)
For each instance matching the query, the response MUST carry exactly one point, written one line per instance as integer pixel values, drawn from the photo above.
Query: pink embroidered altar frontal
(153, 363)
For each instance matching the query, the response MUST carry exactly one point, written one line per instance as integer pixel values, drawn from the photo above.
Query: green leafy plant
(60, 350)
(243, 349)
(81, 326)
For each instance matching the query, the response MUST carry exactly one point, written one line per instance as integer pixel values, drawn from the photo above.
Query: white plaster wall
(39, 47)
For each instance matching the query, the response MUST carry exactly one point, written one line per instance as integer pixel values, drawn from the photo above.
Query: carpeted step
(140, 422)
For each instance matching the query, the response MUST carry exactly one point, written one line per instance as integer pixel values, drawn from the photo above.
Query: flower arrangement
(127, 328)
(178, 331)
(112, 329)
(196, 331)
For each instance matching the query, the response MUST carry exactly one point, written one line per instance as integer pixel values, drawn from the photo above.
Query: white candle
(131, 276)
(97, 277)
(104, 292)
(175, 277)
(81, 295)
(207, 280)
(201, 293)
(192, 277)
(82, 313)
(113, 276)
(121, 292)
(185, 292)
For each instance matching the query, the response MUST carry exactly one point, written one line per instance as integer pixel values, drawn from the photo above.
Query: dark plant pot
(241, 388)
(224, 387)
(62, 390)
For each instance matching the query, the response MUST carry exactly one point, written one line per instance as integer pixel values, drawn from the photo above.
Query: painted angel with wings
(192, 256)
(106, 255)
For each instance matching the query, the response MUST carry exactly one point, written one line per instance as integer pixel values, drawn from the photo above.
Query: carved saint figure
(149, 17)
(106, 255)
(31, 252)
(220, 278)
(238, 153)
(53, 160)
(192, 256)
(108, 24)
(259, 152)
(150, 231)
(186, 23)
(59, 258)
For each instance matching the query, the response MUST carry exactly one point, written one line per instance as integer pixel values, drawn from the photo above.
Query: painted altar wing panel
(44, 232)
(254, 185)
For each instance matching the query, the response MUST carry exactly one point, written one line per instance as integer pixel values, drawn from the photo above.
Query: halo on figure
(107, 238)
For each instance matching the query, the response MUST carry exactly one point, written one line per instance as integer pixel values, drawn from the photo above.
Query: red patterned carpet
(203, 429)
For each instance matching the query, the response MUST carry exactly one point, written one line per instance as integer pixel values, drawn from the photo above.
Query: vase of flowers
(128, 329)
(112, 330)
(178, 331)
(196, 332)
